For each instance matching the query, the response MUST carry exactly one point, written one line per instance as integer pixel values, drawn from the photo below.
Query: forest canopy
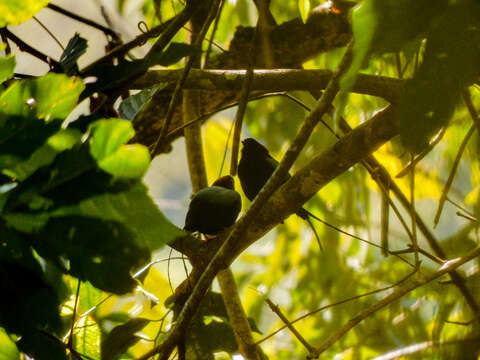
(347, 130)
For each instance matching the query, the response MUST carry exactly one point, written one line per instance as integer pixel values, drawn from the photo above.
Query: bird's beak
(243, 142)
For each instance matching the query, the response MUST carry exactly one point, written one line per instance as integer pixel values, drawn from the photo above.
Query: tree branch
(272, 80)
(397, 294)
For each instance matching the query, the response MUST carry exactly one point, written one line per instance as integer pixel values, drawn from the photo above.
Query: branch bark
(272, 80)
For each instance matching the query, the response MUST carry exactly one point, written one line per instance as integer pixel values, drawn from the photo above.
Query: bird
(214, 208)
(255, 168)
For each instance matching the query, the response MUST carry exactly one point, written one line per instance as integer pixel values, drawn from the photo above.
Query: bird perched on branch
(214, 208)
(255, 168)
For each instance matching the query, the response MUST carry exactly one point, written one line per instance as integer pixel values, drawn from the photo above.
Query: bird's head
(252, 146)
(226, 182)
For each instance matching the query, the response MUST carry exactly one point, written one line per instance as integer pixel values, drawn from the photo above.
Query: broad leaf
(134, 208)
(121, 338)
(45, 155)
(8, 349)
(107, 147)
(7, 66)
(14, 12)
(88, 244)
(52, 96)
(430, 97)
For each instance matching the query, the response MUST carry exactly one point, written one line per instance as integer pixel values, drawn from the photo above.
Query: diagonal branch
(397, 294)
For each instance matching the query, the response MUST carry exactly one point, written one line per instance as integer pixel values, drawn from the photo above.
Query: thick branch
(272, 80)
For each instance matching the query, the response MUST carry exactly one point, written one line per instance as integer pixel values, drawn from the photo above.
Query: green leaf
(14, 12)
(7, 66)
(304, 8)
(76, 47)
(364, 25)
(121, 338)
(381, 26)
(8, 349)
(21, 136)
(130, 161)
(430, 97)
(108, 135)
(40, 346)
(88, 244)
(132, 105)
(28, 301)
(45, 155)
(134, 208)
(48, 97)
(106, 146)
(26, 223)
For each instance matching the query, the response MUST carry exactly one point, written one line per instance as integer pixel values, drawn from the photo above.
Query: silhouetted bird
(255, 168)
(214, 208)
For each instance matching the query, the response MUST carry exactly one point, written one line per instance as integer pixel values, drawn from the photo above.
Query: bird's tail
(306, 215)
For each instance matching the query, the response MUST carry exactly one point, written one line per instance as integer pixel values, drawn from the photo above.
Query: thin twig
(453, 172)
(212, 36)
(289, 325)
(384, 219)
(23, 46)
(432, 241)
(473, 219)
(123, 49)
(457, 205)
(420, 156)
(397, 294)
(359, 238)
(471, 108)
(84, 20)
(70, 339)
(341, 302)
(242, 106)
(405, 352)
(412, 214)
(179, 86)
(49, 33)
(177, 131)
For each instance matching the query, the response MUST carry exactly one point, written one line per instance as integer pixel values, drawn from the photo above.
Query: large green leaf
(121, 338)
(29, 302)
(133, 207)
(7, 66)
(104, 253)
(8, 349)
(107, 147)
(14, 12)
(45, 154)
(430, 97)
(48, 97)
(21, 136)
(381, 26)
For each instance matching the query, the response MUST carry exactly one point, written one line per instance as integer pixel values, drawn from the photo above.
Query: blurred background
(286, 265)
